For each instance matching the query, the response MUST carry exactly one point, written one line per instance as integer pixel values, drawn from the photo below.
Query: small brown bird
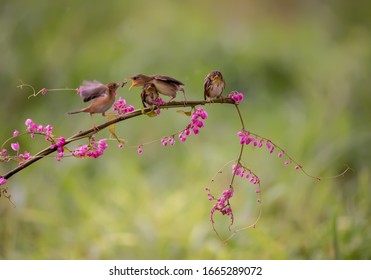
(103, 97)
(149, 94)
(214, 85)
(166, 85)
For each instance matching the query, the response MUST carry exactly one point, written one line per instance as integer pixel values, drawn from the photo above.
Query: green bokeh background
(304, 67)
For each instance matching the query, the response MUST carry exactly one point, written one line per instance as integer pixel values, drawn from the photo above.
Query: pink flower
(222, 204)
(121, 146)
(61, 142)
(2, 181)
(15, 146)
(94, 150)
(43, 91)
(15, 133)
(171, 141)
(159, 101)
(164, 142)
(25, 156)
(195, 125)
(121, 108)
(28, 122)
(139, 149)
(237, 97)
(4, 151)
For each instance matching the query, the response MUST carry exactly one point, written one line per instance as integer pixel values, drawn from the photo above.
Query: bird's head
(113, 86)
(216, 76)
(138, 80)
(149, 87)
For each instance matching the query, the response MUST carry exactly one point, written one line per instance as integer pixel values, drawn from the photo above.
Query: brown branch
(90, 132)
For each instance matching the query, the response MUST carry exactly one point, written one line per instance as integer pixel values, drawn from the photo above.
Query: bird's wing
(168, 79)
(91, 90)
(207, 85)
(143, 96)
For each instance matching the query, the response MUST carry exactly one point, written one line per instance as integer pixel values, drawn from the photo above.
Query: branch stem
(89, 132)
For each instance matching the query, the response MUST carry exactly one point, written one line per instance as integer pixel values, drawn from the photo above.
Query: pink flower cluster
(121, 108)
(222, 205)
(237, 97)
(168, 140)
(60, 148)
(197, 122)
(247, 138)
(33, 128)
(19, 157)
(94, 150)
(246, 173)
(158, 101)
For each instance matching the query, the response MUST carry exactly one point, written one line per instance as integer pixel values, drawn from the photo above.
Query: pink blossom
(246, 139)
(121, 146)
(171, 141)
(15, 133)
(94, 150)
(33, 128)
(2, 181)
(222, 204)
(4, 151)
(28, 122)
(139, 149)
(159, 101)
(237, 97)
(121, 108)
(15, 146)
(25, 156)
(164, 142)
(43, 91)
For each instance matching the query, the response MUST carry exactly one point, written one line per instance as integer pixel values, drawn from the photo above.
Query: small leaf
(189, 113)
(112, 127)
(151, 114)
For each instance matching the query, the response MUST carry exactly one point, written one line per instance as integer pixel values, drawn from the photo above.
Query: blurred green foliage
(304, 67)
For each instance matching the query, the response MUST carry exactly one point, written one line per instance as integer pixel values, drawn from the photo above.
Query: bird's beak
(133, 84)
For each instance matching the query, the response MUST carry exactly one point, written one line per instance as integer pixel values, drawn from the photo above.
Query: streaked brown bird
(214, 85)
(103, 97)
(149, 94)
(165, 85)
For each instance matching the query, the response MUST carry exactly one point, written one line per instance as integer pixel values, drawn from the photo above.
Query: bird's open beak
(133, 84)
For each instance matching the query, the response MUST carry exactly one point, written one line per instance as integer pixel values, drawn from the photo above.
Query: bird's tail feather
(75, 112)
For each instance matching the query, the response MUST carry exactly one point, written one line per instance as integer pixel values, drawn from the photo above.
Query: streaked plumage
(149, 94)
(165, 85)
(214, 85)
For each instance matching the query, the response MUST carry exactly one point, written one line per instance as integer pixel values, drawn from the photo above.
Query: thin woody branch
(87, 133)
